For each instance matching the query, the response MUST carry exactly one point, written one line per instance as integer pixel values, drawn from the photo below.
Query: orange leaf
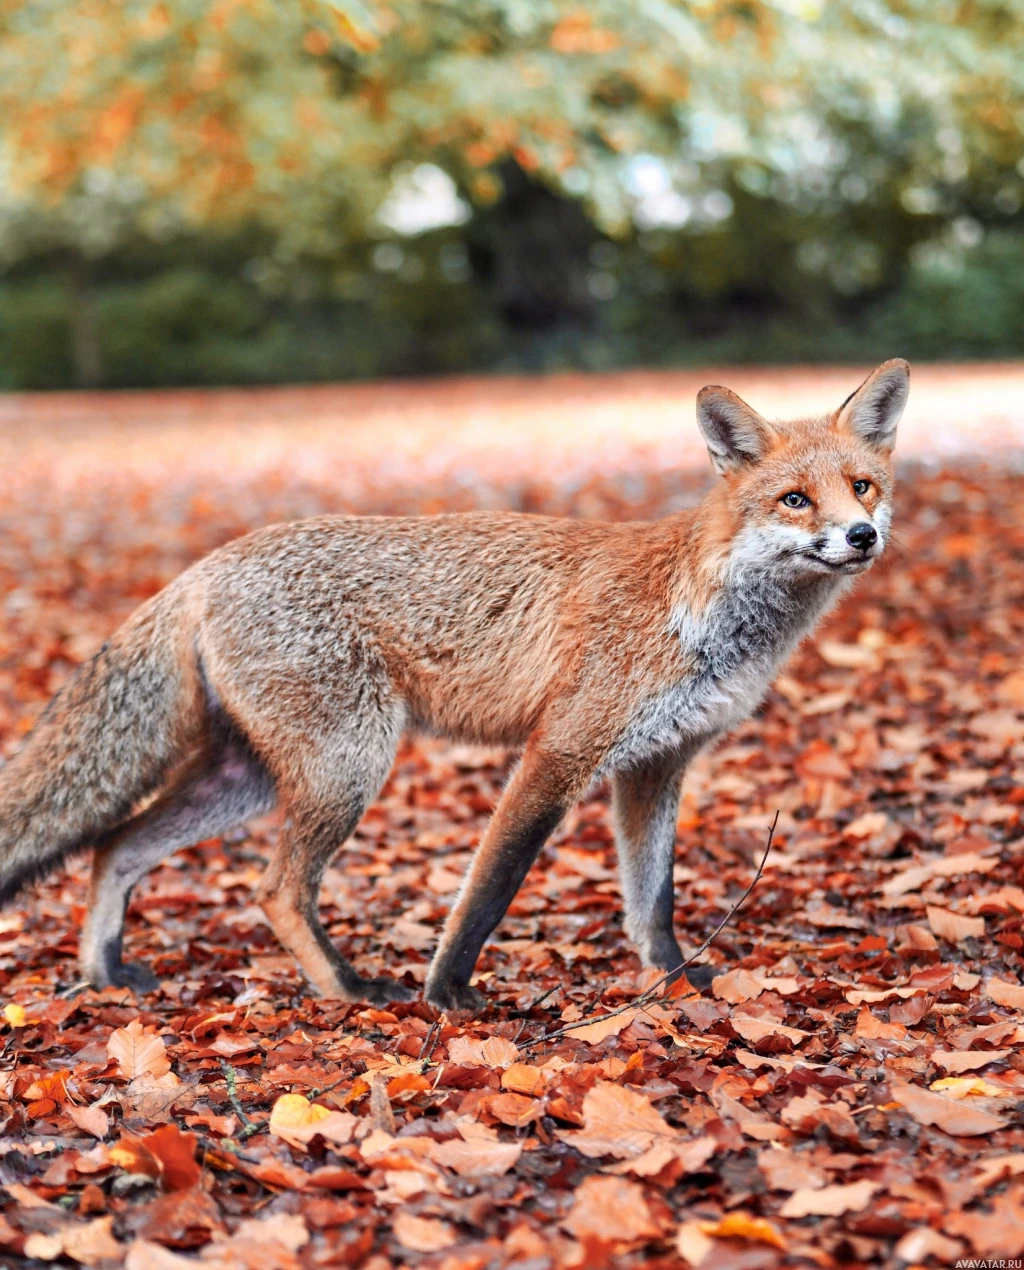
(740, 1225)
(829, 1201)
(952, 926)
(297, 1120)
(138, 1051)
(422, 1234)
(92, 1120)
(601, 1029)
(945, 1113)
(1002, 992)
(610, 1210)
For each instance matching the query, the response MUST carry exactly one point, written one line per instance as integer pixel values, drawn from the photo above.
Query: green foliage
(197, 191)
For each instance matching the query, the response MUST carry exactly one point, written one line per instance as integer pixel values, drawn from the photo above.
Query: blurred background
(208, 192)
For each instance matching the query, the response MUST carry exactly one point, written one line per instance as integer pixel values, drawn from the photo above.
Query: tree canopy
(151, 116)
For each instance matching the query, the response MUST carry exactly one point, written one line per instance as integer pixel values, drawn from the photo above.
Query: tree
(149, 119)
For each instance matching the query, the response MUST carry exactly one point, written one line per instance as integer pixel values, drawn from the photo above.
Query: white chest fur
(735, 648)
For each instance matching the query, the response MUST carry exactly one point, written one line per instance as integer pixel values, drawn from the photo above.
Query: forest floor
(845, 1087)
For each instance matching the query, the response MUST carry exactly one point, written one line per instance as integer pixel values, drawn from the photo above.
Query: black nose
(862, 536)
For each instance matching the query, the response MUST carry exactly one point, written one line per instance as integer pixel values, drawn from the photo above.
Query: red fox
(283, 668)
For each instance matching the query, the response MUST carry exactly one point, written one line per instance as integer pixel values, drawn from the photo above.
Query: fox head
(811, 497)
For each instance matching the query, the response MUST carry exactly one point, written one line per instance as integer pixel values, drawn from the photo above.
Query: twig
(648, 995)
(318, 1091)
(429, 1044)
(249, 1127)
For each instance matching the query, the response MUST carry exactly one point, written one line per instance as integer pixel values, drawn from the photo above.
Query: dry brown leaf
(967, 1060)
(138, 1051)
(922, 1243)
(690, 1154)
(522, 1078)
(422, 1234)
(753, 1123)
(741, 1225)
(998, 1168)
(876, 1029)
(610, 1210)
(617, 1121)
(601, 1029)
(1002, 992)
(737, 986)
(829, 1201)
(692, 1244)
(477, 1158)
(952, 926)
(492, 1051)
(297, 1120)
(754, 1030)
(786, 1170)
(287, 1229)
(92, 1120)
(947, 1114)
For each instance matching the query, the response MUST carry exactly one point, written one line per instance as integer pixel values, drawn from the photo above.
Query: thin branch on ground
(649, 994)
(249, 1127)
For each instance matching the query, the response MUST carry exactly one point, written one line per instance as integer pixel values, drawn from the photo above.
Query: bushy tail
(105, 741)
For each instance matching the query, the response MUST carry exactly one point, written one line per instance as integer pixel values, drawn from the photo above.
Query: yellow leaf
(963, 1086)
(298, 1121)
(293, 1111)
(15, 1015)
(740, 1225)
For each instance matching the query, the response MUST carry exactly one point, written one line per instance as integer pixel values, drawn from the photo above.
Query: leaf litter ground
(843, 1086)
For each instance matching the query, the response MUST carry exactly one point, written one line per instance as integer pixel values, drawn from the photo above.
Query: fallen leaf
(297, 1120)
(598, 1031)
(967, 1060)
(945, 1113)
(287, 1229)
(829, 1201)
(617, 1121)
(477, 1159)
(741, 1225)
(1003, 992)
(965, 1086)
(138, 1051)
(422, 1234)
(494, 1051)
(952, 926)
(737, 986)
(610, 1210)
(92, 1120)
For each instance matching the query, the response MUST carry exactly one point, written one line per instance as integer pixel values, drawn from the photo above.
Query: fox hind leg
(219, 789)
(324, 792)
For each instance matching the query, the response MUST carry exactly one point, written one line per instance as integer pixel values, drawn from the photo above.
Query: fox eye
(861, 487)
(795, 499)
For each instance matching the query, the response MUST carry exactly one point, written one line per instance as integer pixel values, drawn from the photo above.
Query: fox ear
(736, 435)
(874, 410)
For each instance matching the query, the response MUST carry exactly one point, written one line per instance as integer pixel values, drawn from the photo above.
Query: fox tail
(106, 740)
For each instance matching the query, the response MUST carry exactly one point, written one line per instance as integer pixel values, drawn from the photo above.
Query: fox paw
(455, 996)
(132, 975)
(381, 991)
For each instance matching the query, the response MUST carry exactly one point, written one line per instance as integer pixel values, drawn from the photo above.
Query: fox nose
(862, 536)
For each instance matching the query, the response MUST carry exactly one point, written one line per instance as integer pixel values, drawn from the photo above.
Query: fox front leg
(536, 799)
(646, 804)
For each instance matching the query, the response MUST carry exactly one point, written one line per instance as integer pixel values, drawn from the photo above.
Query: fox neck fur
(732, 644)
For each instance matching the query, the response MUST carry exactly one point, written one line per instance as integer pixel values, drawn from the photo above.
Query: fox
(283, 669)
